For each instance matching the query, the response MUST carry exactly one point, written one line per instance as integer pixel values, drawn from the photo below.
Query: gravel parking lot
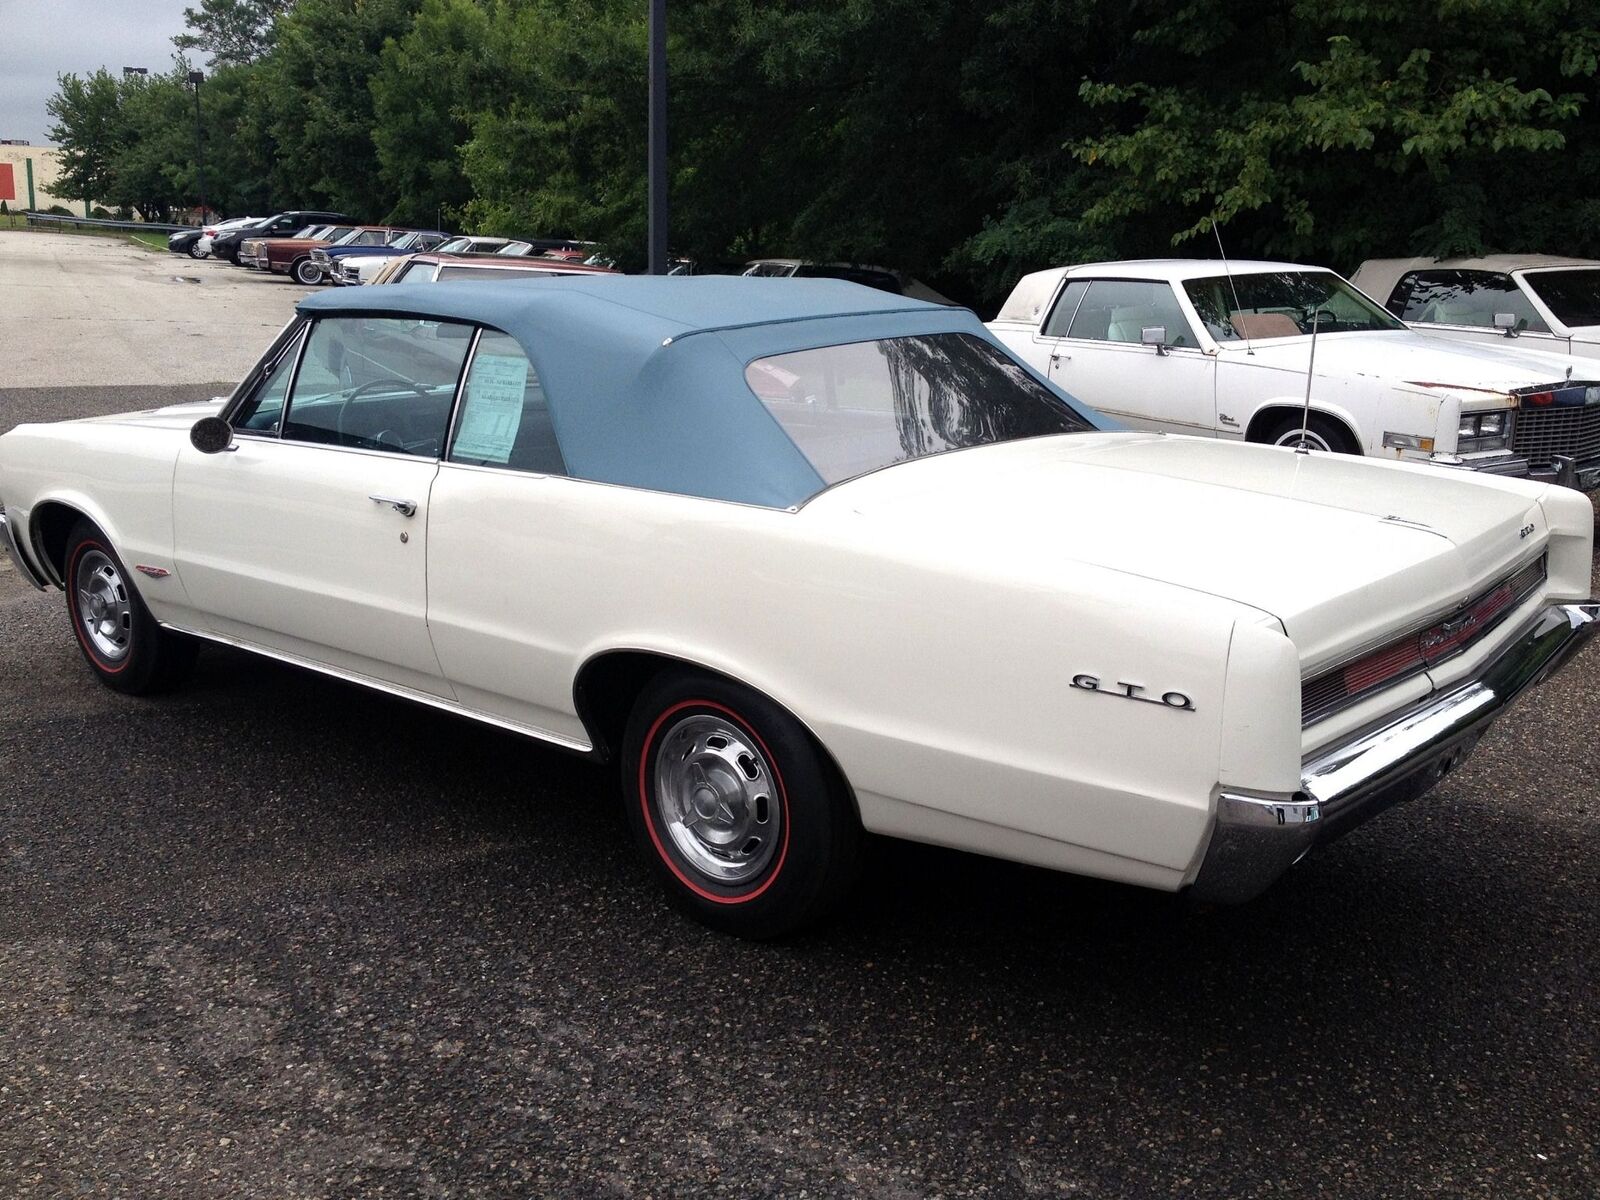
(273, 936)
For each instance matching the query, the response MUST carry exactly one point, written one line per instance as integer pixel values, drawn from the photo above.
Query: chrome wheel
(105, 606)
(716, 797)
(1314, 440)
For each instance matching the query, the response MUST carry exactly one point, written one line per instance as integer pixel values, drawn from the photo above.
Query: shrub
(101, 214)
(56, 210)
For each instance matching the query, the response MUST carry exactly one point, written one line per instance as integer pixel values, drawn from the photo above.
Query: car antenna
(1305, 411)
(1248, 348)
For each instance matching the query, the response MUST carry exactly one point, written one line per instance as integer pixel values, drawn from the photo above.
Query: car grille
(1329, 691)
(1538, 434)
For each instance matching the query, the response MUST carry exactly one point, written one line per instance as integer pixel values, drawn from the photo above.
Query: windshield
(858, 407)
(516, 249)
(1573, 296)
(1277, 304)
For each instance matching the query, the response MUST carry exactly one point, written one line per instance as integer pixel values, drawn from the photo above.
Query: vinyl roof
(645, 375)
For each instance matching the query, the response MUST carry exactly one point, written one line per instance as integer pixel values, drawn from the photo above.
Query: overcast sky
(40, 39)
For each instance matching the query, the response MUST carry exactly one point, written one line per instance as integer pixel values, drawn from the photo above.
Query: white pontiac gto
(810, 560)
(1189, 346)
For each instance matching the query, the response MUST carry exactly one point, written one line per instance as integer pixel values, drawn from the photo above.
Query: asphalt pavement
(273, 936)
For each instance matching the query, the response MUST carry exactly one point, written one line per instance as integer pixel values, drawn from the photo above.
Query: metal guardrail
(39, 218)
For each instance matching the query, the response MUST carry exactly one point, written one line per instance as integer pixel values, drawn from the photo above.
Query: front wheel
(1321, 433)
(745, 822)
(305, 271)
(120, 640)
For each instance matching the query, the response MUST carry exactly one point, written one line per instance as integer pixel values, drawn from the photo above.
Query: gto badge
(1132, 691)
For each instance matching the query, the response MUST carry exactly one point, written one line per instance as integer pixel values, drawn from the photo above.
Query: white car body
(1483, 287)
(203, 246)
(1396, 393)
(1118, 696)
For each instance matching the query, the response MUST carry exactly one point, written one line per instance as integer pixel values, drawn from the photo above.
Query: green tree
(428, 85)
(91, 131)
(231, 32)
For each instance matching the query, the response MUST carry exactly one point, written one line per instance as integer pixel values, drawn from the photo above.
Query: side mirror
(1509, 322)
(211, 435)
(1154, 335)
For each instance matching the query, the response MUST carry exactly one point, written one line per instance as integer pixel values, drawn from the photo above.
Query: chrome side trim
(393, 689)
(8, 536)
(1256, 837)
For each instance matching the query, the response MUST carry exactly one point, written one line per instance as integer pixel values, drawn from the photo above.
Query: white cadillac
(810, 560)
(1189, 346)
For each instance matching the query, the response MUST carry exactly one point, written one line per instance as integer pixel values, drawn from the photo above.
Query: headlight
(1484, 431)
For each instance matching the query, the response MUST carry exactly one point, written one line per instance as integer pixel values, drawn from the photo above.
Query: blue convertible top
(645, 375)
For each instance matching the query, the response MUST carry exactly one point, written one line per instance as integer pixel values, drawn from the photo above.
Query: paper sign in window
(493, 411)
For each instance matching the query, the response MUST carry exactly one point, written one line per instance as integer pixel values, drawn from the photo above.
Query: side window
(1060, 318)
(377, 383)
(1463, 298)
(263, 411)
(1118, 310)
(505, 417)
(416, 272)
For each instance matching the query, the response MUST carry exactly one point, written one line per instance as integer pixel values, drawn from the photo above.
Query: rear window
(448, 272)
(855, 408)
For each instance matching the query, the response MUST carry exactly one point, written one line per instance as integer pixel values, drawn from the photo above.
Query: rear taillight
(208, 233)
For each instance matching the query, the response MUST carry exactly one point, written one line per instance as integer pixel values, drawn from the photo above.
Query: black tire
(1322, 433)
(196, 252)
(813, 837)
(120, 640)
(305, 272)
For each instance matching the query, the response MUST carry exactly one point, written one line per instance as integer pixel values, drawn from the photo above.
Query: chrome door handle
(406, 508)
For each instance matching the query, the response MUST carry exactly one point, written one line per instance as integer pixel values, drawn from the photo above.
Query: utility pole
(658, 138)
(196, 78)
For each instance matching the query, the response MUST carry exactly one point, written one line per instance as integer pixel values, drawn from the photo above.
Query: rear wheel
(1321, 433)
(745, 822)
(196, 252)
(120, 640)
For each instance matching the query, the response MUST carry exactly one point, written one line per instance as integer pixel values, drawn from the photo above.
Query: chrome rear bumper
(1257, 837)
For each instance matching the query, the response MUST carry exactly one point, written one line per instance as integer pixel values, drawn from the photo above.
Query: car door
(309, 536)
(1103, 361)
(506, 555)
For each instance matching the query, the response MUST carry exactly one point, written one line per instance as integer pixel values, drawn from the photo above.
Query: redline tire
(741, 816)
(122, 643)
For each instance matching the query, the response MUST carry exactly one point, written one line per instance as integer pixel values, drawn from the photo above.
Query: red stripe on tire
(77, 616)
(649, 822)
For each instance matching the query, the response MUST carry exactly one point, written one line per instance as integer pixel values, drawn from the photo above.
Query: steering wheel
(387, 381)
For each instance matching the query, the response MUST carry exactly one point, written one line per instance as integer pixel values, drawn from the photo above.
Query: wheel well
(609, 684)
(51, 522)
(1266, 417)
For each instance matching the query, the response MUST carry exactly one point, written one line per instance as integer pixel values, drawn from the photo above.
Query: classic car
(436, 266)
(361, 266)
(289, 256)
(351, 271)
(801, 557)
(225, 245)
(882, 278)
(378, 239)
(1199, 347)
(1545, 301)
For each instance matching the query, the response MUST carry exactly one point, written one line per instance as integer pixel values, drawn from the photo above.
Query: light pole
(196, 78)
(658, 138)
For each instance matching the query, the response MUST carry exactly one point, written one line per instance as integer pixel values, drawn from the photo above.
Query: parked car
(1547, 302)
(1182, 345)
(292, 255)
(356, 266)
(200, 245)
(800, 557)
(357, 271)
(436, 267)
(226, 245)
(882, 278)
(376, 240)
